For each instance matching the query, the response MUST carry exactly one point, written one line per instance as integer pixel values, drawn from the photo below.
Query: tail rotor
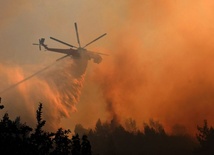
(41, 43)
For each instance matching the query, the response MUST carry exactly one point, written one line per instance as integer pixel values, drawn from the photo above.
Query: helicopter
(76, 52)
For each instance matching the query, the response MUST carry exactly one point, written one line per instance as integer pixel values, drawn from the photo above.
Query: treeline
(17, 138)
(108, 138)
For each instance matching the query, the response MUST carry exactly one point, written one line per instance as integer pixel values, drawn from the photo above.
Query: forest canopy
(107, 138)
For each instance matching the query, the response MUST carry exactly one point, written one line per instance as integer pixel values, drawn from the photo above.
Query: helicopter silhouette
(76, 52)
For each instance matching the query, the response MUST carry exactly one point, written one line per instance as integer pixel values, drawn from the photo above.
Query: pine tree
(62, 142)
(206, 139)
(76, 147)
(85, 146)
(41, 140)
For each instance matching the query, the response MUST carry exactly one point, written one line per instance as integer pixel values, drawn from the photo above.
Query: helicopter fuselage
(77, 53)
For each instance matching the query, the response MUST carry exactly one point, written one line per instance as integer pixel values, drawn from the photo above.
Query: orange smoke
(161, 64)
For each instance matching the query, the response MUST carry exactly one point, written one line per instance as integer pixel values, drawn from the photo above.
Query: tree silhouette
(41, 140)
(18, 138)
(85, 146)
(14, 136)
(206, 139)
(80, 130)
(62, 142)
(76, 147)
(40, 122)
(130, 125)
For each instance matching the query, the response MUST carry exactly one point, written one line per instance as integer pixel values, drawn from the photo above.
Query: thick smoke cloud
(161, 65)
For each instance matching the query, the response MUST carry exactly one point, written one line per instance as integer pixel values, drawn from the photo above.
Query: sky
(160, 63)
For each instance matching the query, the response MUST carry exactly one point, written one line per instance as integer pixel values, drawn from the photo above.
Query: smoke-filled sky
(160, 65)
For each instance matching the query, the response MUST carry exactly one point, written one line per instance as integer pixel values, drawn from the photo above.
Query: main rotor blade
(63, 42)
(78, 40)
(95, 40)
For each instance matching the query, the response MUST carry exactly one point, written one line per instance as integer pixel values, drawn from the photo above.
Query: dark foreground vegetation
(106, 139)
(17, 138)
